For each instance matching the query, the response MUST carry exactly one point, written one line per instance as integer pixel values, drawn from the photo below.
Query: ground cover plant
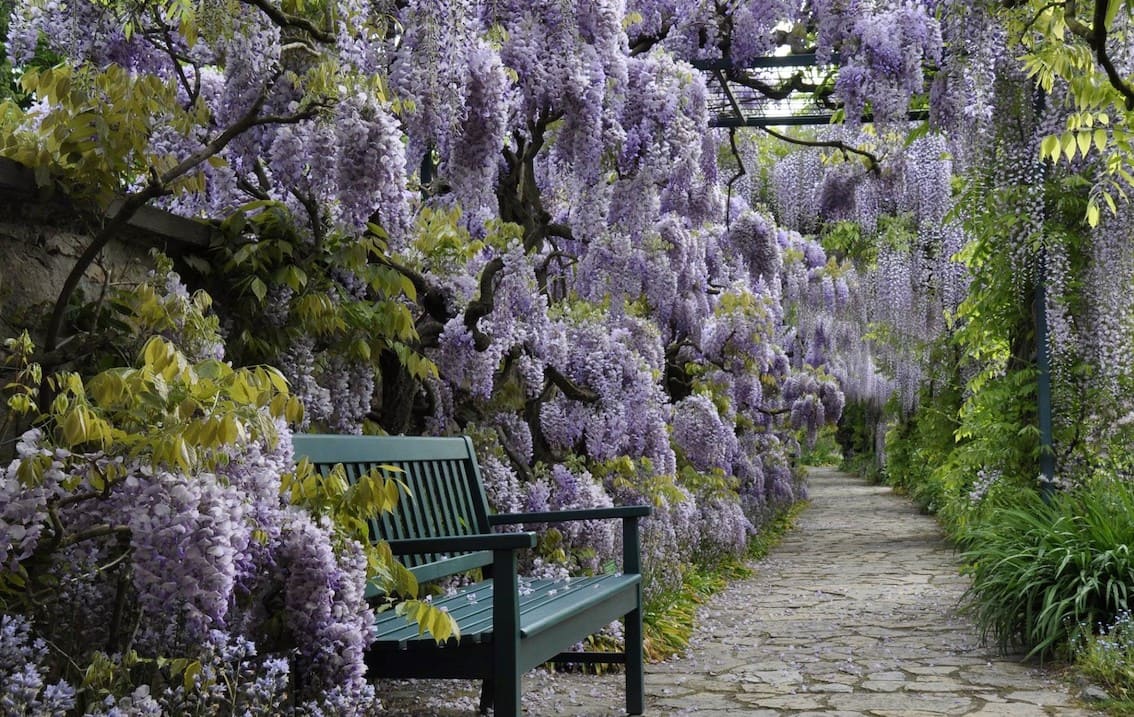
(1104, 654)
(514, 220)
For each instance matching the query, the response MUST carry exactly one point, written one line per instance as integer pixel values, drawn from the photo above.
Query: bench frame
(445, 528)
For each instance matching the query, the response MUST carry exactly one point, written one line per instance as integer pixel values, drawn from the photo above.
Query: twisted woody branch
(1095, 35)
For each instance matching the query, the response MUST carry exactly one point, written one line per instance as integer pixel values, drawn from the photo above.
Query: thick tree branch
(1116, 80)
(311, 206)
(245, 123)
(129, 207)
(569, 388)
(284, 21)
(563, 231)
(515, 459)
(740, 172)
(483, 304)
(795, 83)
(98, 531)
(118, 614)
(418, 281)
(773, 411)
(250, 189)
(517, 192)
(642, 44)
(78, 498)
(871, 160)
(564, 258)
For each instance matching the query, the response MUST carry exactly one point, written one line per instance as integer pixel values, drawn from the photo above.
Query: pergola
(795, 90)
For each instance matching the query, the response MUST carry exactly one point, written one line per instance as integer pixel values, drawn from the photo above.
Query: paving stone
(783, 703)
(882, 685)
(1017, 709)
(1043, 698)
(904, 713)
(909, 702)
(931, 669)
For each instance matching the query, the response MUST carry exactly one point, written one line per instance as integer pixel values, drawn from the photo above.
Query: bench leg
(635, 673)
(505, 635)
(505, 695)
(485, 696)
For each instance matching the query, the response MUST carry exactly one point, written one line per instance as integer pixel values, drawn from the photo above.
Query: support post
(632, 630)
(505, 634)
(1043, 357)
(1043, 388)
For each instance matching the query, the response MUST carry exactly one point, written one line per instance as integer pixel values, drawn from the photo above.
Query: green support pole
(428, 169)
(1043, 358)
(1043, 389)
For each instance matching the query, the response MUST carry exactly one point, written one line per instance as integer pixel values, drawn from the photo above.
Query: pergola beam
(732, 112)
(728, 121)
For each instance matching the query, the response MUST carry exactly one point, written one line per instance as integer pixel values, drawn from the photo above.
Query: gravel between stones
(853, 614)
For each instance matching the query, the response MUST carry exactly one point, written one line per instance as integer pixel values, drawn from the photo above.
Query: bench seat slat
(548, 602)
(330, 449)
(578, 598)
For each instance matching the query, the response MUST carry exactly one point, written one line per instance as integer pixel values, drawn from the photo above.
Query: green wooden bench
(508, 624)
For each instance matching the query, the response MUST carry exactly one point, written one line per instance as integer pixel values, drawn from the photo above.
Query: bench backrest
(445, 497)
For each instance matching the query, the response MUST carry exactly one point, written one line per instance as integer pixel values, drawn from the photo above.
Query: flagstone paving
(854, 613)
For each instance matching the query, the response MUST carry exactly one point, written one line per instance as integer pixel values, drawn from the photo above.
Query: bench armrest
(563, 516)
(631, 546)
(463, 543)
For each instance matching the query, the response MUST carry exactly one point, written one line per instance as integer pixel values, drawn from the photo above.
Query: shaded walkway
(853, 614)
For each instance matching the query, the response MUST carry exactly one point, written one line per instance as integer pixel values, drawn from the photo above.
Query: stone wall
(42, 235)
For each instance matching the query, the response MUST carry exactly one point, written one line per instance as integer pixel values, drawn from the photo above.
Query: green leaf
(1069, 141)
(189, 678)
(1100, 139)
(1083, 139)
(259, 289)
(1111, 14)
(1049, 147)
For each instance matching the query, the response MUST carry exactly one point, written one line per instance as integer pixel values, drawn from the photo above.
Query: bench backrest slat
(445, 494)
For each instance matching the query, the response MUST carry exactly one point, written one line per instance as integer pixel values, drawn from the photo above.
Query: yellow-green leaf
(259, 289)
(154, 351)
(1049, 147)
(1083, 139)
(191, 671)
(1068, 142)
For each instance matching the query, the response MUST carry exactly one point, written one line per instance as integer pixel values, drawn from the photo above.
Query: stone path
(853, 614)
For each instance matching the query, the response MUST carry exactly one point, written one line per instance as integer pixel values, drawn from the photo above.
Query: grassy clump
(1043, 569)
